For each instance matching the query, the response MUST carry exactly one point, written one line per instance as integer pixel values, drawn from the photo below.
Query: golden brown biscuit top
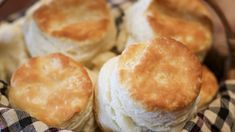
(209, 87)
(77, 20)
(51, 88)
(185, 20)
(162, 74)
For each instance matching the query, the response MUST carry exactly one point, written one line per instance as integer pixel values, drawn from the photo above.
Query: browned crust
(77, 20)
(160, 75)
(186, 20)
(51, 88)
(209, 87)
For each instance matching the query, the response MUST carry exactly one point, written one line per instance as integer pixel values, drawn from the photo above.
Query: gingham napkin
(218, 116)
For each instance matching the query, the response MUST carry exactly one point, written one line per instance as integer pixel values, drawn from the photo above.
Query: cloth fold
(219, 115)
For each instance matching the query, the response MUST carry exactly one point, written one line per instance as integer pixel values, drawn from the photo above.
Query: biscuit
(185, 21)
(80, 29)
(151, 86)
(54, 89)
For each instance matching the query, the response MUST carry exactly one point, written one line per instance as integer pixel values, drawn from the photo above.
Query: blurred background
(8, 7)
(11, 6)
(216, 58)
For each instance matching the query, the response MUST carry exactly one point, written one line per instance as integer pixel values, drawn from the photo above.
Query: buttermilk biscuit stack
(185, 21)
(78, 28)
(151, 86)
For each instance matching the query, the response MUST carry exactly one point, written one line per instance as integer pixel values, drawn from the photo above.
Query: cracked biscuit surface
(152, 85)
(54, 89)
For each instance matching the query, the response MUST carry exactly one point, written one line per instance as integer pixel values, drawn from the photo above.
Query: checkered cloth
(218, 116)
